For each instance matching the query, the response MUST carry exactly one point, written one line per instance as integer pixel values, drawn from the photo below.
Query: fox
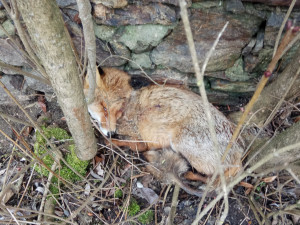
(155, 117)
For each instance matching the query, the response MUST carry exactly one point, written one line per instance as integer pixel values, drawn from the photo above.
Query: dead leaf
(145, 193)
(246, 185)
(27, 131)
(95, 175)
(98, 160)
(269, 179)
(247, 192)
(99, 169)
(87, 189)
(59, 213)
(2, 172)
(41, 103)
(7, 195)
(40, 189)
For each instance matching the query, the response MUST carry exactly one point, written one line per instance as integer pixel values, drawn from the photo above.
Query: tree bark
(271, 95)
(285, 138)
(46, 29)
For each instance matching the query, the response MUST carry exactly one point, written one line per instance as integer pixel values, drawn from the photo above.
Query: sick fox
(162, 117)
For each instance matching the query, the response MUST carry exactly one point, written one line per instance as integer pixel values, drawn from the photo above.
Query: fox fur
(163, 117)
(169, 166)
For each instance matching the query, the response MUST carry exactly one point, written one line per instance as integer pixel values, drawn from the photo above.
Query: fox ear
(100, 70)
(137, 82)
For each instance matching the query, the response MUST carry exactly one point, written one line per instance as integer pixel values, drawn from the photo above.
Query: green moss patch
(41, 150)
(134, 208)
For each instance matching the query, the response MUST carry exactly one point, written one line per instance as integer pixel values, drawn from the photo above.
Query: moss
(147, 217)
(76, 164)
(133, 207)
(118, 193)
(40, 149)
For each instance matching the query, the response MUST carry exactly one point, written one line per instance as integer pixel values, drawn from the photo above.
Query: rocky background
(136, 35)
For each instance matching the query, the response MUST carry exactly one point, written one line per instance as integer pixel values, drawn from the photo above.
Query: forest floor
(126, 191)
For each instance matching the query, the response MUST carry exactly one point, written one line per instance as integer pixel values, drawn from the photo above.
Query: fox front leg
(134, 145)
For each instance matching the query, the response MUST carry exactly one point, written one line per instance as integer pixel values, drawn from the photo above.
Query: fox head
(111, 93)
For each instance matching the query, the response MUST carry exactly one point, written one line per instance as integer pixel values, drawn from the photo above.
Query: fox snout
(106, 119)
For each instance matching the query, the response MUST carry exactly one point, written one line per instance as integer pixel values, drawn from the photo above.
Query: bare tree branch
(84, 8)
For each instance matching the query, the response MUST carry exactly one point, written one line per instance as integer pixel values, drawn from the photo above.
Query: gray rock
(170, 2)
(206, 4)
(135, 14)
(263, 60)
(111, 53)
(10, 55)
(9, 27)
(273, 24)
(235, 6)
(107, 53)
(251, 9)
(70, 14)
(174, 52)
(111, 3)
(143, 60)
(247, 50)
(236, 72)
(2, 15)
(65, 3)
(35, 84)
(250, 62)
(14, 84)
(240, 87)
(142, 37)
(259, 42)
(103, 32)
(226, 98)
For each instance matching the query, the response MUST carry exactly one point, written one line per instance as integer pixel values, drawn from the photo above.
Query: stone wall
(149, 35)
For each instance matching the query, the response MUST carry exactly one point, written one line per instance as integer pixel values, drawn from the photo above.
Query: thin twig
(84, 8)
(75, 213)
(200, 82)
(24, 73)
(14, 119)
(287, 15)
(293, 175)
(27, 185)
(53, 168)
(174, 204)
(199, 74)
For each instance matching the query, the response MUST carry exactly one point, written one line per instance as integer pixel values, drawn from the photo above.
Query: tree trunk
(46, 29)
